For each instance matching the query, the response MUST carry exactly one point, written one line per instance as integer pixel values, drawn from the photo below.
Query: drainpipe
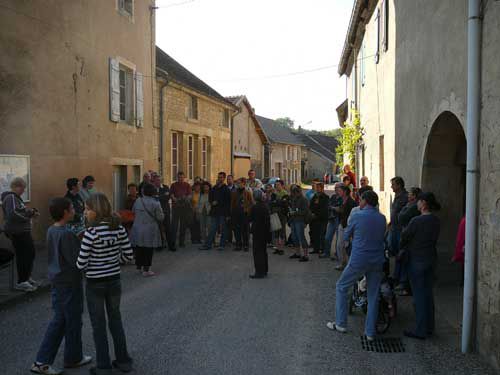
(165, 84)
(473, 114)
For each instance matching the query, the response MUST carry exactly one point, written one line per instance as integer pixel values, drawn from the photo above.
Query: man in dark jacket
(344, 211)
(334, 202)
(319, 210)
(220, 202)
(163, 196)
(400, 201)
(261, 235)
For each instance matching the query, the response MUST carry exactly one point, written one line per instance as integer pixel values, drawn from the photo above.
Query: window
(381, 162)
(126, 7)
(295, 176)
(193, 107)
(295, 154)
(204, 158)
(126, 95)
(190, 157)
(225, 118)
(175, 155)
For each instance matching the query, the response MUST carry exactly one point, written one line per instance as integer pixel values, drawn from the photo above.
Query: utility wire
(174, 4)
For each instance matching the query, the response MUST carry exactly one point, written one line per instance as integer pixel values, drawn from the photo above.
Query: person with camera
(18, 228)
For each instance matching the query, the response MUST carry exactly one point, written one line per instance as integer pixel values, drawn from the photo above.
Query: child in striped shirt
(104, 244)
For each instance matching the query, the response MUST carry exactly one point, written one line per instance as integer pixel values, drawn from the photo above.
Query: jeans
(204, 226)
(349, 277)
(215, 223)
(103, 298)
(330, 232)
(25, 255)
(421, 281)
(339, 245)
(298, 236)
(67, 303)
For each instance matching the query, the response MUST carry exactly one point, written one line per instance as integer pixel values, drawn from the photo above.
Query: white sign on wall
(12, 166)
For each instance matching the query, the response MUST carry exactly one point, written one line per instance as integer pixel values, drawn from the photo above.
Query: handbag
(275, 222)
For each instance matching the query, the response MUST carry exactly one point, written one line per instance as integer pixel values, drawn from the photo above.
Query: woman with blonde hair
(104, 244)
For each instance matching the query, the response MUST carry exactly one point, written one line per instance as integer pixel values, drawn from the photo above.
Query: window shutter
(114, 90)
(385, 25)
(139, 98)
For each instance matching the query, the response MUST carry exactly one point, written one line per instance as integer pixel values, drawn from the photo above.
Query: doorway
(443, 173)
(119, 186)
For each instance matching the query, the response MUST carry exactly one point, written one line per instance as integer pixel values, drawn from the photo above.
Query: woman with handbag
(203, 210)
(418, 249)
(195, 222)
(146, 231)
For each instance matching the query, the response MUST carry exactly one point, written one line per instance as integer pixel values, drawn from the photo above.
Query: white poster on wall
(12, 166)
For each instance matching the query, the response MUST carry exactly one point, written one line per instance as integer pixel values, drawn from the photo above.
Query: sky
(239, 47)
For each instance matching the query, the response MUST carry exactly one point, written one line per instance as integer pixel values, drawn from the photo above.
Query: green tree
(351, 135)
(287, 122)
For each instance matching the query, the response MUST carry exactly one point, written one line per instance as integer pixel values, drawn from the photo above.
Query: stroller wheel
(384, 320)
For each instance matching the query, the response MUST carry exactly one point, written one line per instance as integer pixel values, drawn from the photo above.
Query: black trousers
(195, 230)
(318, 229)
(25, 255)
(260, 255)
(143, 257)
(241, 230)
(179, 220)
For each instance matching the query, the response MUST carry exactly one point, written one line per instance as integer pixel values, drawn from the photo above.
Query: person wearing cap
(418, 249)
(261, 234)
(367, 229)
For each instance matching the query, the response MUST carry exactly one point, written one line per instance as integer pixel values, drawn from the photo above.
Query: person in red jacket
(350, 173)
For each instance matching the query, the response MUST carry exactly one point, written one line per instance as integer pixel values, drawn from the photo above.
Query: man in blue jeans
(367, 229)
(220, 202)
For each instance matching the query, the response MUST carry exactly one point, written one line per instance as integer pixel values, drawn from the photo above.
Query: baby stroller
(387, 307)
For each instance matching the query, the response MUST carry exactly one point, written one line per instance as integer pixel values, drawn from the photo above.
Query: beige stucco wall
(375, 102)
(176, 101)
(247, 140)
(279, 155)
(54, 96)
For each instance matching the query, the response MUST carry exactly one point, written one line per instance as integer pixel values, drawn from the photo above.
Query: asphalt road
(202, 315)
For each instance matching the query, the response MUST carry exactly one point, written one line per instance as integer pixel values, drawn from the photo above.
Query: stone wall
(208, 125)
(488, 287)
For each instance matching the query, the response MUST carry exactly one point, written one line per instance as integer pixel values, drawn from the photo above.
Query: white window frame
(193, 111)
(204, 158)
(122, 9)
(175, 151)
(190, 157)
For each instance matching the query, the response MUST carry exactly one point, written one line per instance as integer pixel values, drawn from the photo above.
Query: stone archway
(443, 173)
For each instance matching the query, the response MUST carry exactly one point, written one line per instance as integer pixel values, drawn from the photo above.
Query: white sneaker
(334, 327)
(34, 283)
(84, 361)
(44, 369)
(370, 338)
(25, 286)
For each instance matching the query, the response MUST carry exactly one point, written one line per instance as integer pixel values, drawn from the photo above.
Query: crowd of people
(88, 238)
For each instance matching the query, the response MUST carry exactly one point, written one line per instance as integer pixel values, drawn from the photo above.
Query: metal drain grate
(383, 345)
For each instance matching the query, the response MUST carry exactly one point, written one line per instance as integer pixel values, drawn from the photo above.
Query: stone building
(76, 95)
(194, 123)
(283, 155)
(406, 67)
(248, 139)
(318, 155)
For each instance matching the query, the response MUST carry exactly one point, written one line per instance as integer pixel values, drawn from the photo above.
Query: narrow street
(202, 315)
